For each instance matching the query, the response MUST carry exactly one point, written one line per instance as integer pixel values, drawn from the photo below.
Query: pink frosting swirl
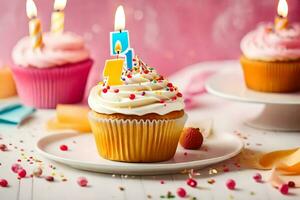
(266, 44)
(59, 49)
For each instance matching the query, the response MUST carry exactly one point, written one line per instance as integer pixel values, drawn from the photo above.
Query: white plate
(82, 154)
(230, 85)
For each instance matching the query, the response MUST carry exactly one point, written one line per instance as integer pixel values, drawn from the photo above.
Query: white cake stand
(281, 111)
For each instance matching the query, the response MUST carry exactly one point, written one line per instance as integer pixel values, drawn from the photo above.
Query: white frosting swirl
(267, 44)
(142, 93)
(59, 49)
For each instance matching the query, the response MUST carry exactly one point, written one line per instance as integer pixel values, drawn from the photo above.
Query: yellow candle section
(7, 83)
(57, 22)
(35, 32)
(113, 71)
(281, 21)
(58, 16)
(35, 27)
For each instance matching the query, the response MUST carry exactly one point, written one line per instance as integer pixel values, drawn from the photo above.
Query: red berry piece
(49, 178)
(162, 182)
(82, 181)
(191, 138)
(15, 167)
(181, 192)
(132, 96)
(3, 147)
(146, 72)
(21, 173)
(63, 147)
(143, 93)
(291, 184)
(230, 184)
(116, 90)
(257, 177)
(3, 182)
(108, 87)
(129, 76)
(191, 182)
(284, 189)
(104, 90)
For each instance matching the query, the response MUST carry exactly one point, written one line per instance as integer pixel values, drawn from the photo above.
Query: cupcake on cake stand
(271, 70)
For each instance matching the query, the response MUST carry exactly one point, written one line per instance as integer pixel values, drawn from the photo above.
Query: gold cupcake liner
(136, 140)
(281, 76)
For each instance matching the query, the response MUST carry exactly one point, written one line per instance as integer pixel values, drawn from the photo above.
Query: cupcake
(138, 121)
(271, 59)
(56, 73)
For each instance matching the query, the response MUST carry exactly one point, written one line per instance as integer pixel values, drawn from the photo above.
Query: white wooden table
(227, 116)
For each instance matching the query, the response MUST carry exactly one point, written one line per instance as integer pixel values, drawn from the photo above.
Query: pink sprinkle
(82, 181)
(291, 184)
(191, 182)
(284, 189)
(63, 147)
(116, 90)
(179, 94)
(225, 169)
(3, 147)
(257, 177)
(143, 93)
(169, 85)
(162, 182)
(132, 96)
(181, 192)
(15, 167)
(3, 182)
(230, 183)
(49, 178)
(21, 173)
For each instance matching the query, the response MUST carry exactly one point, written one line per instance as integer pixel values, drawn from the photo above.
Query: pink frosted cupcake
(55, 74)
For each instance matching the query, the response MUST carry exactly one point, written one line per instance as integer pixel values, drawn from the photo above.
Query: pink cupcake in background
(56, 73)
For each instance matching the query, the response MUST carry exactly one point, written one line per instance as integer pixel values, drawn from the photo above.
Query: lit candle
(281, 21)
(58, 16)
(113, 71)
(35, 28)
(119, 40)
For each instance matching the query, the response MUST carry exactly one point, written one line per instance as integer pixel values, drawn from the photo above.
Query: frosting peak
(267, 44)
(59, 49)
(144, 91)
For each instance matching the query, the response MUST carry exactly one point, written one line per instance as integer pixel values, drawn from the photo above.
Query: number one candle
(58, 16)
(35, 28)
(281, 21)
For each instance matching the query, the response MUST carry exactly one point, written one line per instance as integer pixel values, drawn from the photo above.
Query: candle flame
(119, 19)
(282, 8)
(60, 4)
(118, 47)
(31, 10)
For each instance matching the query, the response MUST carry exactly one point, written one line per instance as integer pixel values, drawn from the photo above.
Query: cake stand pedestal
(281, 111)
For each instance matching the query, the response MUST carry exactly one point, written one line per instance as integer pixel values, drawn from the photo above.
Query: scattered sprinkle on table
(63, 147)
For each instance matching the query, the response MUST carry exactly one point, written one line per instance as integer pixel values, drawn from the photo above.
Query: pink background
(167, 34)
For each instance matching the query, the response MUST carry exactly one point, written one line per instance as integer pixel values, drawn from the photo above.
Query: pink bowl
(45, 88)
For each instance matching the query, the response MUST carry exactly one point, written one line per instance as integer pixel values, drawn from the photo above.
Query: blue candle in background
(129, 56)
